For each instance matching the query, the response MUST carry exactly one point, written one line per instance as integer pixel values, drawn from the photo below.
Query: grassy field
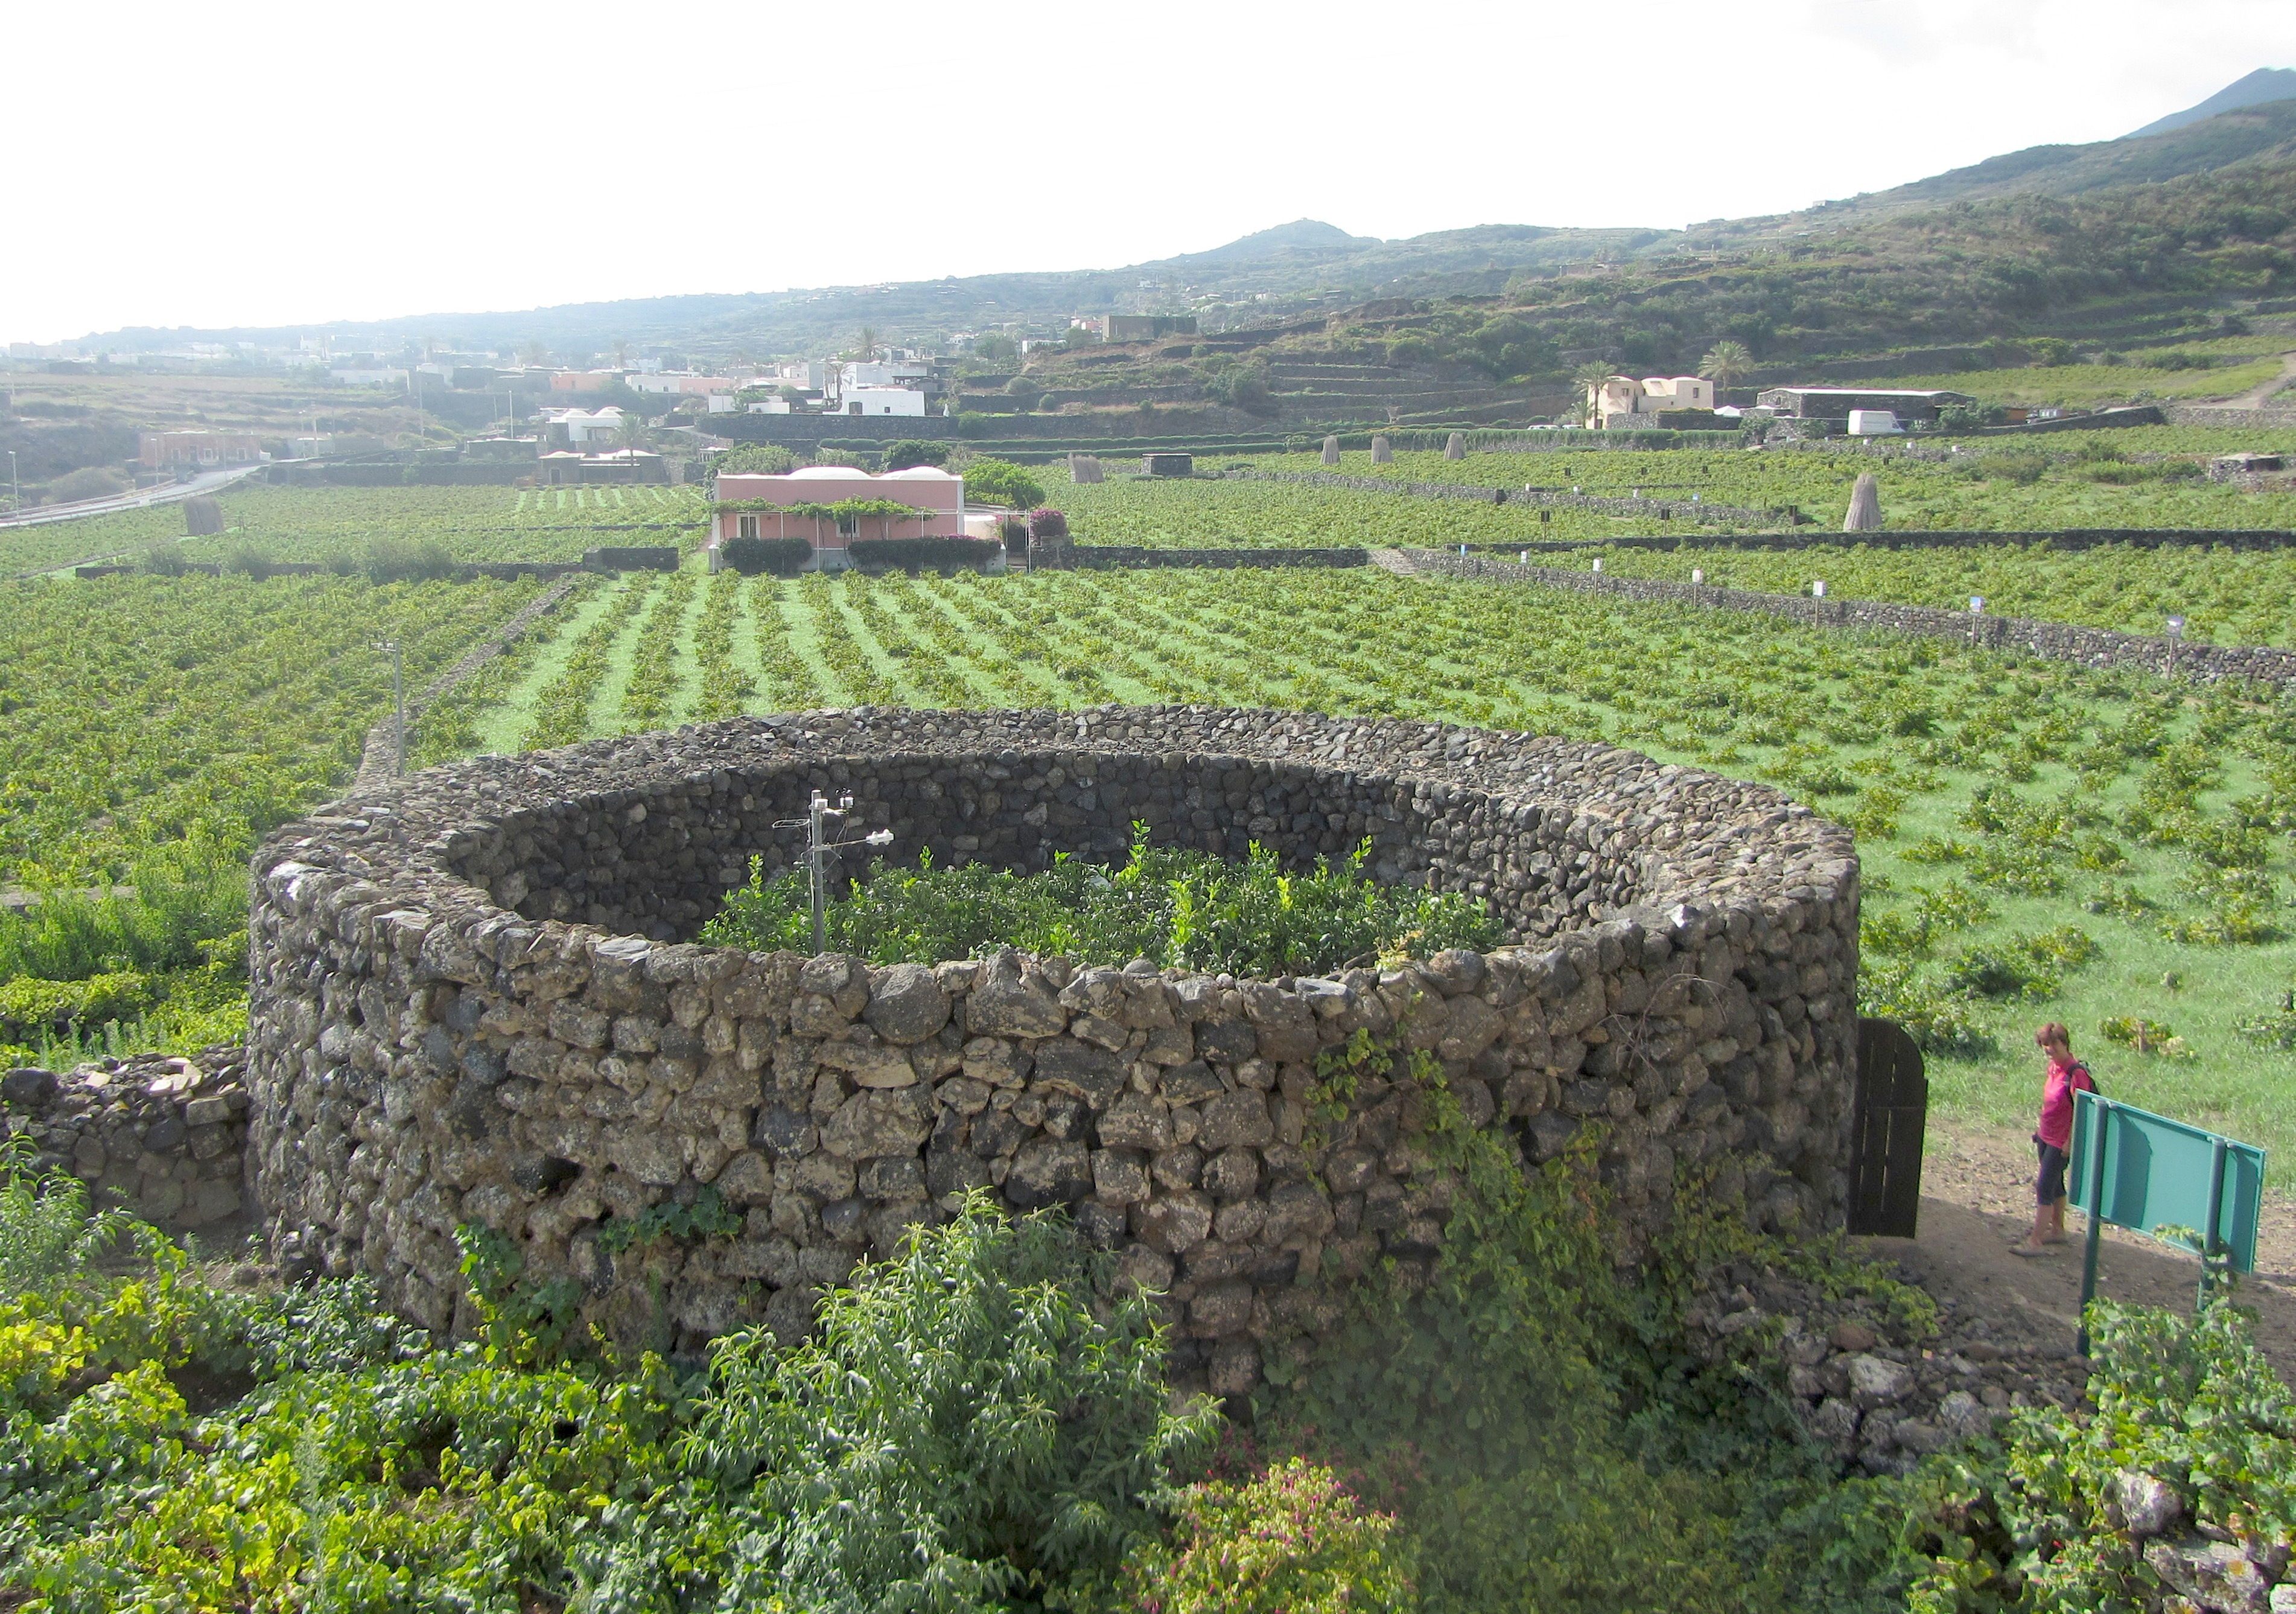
(1914, 744)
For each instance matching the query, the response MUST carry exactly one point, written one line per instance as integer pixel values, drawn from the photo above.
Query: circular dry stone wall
(476, 1004)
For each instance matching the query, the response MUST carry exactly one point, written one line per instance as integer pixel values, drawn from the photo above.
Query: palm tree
(536, 354)
(621, 355)
(1726, 364)
(1588, 378)
(867, 343)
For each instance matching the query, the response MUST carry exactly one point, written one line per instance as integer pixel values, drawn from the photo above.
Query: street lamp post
(15, 488)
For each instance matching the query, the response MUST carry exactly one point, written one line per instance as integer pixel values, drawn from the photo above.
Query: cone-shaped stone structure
(1864, 506)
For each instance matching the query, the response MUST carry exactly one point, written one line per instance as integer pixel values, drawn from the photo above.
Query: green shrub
(769, 556)
(46, 1234)
(2187, 1401)
(909, 452)
(2278, 1028)
(1291, 1542)
(249, 560)
(965, 1429)
(997, 481)
(394, 560)
(29, 1006)
(923, 554)
(1172, 905)
(754, 460)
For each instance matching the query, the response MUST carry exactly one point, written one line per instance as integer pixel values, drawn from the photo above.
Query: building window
(848, 525)
(745, 526)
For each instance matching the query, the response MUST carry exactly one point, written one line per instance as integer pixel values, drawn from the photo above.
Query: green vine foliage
(1173, 905)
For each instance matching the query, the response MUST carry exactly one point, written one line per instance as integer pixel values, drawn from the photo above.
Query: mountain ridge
(1306, 266)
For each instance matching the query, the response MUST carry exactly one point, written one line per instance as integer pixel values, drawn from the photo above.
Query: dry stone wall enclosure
(476, 1001)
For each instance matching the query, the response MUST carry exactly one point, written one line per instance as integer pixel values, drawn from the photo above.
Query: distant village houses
(575, 427)
(172, 450)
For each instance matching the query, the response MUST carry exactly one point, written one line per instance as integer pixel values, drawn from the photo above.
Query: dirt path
(1977, 1197)
(2255, 398)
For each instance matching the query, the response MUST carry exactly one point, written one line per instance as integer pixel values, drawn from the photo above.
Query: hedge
(775, 556)
(923, 554)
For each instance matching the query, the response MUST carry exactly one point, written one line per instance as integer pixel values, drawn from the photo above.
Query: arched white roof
(921, 474)
(829, 473)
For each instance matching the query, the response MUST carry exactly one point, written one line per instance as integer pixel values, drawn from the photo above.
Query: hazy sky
(241, 164)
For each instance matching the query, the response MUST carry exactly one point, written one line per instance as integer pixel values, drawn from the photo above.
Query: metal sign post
(2191, 1188)
(2176, 634)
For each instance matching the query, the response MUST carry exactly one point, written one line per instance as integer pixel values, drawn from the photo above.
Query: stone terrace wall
(1669, 510)
(163, 1136)
(2056, 641)
(1131, 558)
(447, 1028)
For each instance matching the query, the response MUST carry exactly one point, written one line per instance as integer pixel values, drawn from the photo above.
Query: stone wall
(164, 1137)
(2073, 539)
(2056, 641)
(1132, 557)
(1682, 510)
(474, 1000)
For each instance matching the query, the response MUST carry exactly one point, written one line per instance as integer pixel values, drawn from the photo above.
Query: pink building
(936, 497)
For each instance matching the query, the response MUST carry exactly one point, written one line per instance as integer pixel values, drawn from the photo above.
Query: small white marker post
(1525, 558)
(1698, 575)
(1598, 562)
(1976, 610)
(1817, 588)
(2176, 632)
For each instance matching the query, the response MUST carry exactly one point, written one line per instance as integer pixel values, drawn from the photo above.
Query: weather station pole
(819, 849)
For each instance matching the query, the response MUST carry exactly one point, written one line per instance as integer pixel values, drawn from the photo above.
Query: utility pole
(818, 850)
(15, 488)
(397, 706)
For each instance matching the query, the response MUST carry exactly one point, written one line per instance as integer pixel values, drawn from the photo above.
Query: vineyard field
(2232, 597)
(2040, 841)
(2136, 477)
(137, 712)
(318, 523)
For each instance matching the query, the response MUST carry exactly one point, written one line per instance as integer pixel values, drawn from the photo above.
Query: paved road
(168, 493)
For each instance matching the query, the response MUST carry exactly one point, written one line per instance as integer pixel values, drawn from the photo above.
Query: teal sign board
(2155, 1173)
(2138, 1170)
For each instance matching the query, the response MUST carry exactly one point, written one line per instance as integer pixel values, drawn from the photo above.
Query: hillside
(2047, 255)
(2265, 84)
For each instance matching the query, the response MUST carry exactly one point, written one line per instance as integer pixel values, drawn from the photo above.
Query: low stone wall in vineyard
(2056, 641)
(475, 1001)
(1132, 557)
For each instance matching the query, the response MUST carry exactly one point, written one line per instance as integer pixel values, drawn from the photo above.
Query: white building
(882, 401)
(1618, 398)
(580, 426)
(882, 373)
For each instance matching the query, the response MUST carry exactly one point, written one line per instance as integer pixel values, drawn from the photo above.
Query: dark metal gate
(1887, 1112)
